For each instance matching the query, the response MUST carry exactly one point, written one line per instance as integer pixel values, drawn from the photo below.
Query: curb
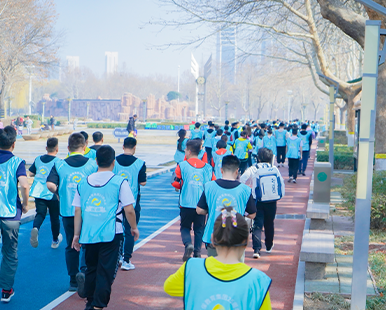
(30, 215)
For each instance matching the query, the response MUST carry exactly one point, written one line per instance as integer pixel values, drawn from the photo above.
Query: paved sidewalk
(142, 288)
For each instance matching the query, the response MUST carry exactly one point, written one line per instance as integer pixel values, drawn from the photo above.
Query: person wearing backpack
(218, 155)
(258, 177)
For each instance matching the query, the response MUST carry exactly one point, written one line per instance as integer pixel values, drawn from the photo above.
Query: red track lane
(142, 288)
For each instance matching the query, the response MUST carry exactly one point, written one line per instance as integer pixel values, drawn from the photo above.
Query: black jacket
(131, 124)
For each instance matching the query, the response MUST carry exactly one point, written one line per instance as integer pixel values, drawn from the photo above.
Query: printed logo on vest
(196, 178)
(220, 302)
(74, 179)
(93, 205)
(123, 174)
(226, 200)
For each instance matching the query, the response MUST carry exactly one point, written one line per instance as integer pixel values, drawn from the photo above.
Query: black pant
(129, 238)
(41, 211)
(303, 162)
(102, 260)
(208, 151)
(265, 216)
(189, 216)
(243, 165)
(249, 162)
(72, 256)
(293, 166)
(280, 150)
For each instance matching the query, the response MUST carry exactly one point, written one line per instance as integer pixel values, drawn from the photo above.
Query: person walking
(209, 135)
(63, 179)
(266, 203)
(131, 126)
(97, 137)
(222, 282)
(12, 175)
(281, 141)
(52, 122)
(88, 152)
(196, 132)
(99, 202)
(191, 176)
(179, 155)
(29, 123)
(306, 137)
(294, 155)
(133, 170)
(240, 150)
(44, 199)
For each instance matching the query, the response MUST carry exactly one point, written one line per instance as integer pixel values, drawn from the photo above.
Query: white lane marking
(67, 295)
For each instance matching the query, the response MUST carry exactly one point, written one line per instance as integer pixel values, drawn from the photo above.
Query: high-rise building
(111, 62)
(72, 62)
(226, 53)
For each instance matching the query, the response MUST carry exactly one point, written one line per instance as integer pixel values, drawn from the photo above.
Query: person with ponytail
(181, 146)
(222, 282)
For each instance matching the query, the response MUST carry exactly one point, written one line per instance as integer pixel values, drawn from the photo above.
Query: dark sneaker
(290, 179)
(270, 250)
(188, 252)
(256, 254)
(89, 306)
(7, 295)
(80, 279)
(303, 174)
(198, 255)
(294, 181)
(73, 284)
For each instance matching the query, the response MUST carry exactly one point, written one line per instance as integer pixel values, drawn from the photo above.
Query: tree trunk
(380, 137)
(350, 118)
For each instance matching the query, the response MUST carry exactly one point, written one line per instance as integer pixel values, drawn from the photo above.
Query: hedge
(342, 160)
(340, 148)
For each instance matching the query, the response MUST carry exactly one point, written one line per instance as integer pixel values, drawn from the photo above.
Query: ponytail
(181, 133)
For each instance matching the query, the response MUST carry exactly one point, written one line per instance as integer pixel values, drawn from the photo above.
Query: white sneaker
(293, 181)
(120, 260)
(55, 244)
(127, 266)
(290, 179)
(34, 237)
(270, 250)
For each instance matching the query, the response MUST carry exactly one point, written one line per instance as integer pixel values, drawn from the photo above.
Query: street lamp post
(69, 109)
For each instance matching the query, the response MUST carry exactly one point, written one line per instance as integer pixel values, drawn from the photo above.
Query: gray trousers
(9, 234)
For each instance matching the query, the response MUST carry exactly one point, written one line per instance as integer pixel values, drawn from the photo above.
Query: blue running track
(42, 275)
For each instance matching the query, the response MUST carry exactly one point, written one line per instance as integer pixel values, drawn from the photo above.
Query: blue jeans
(304, 161)
(128, 246)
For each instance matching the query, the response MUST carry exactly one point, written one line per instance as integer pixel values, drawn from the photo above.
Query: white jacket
(250, 175)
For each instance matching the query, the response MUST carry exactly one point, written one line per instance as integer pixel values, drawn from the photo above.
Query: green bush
(340, 148)
(342, 160)
(378, 199)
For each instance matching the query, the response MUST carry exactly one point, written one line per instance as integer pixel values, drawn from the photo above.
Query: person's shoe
(120, 260)
(256, 254)
(89, 306)
(80, 279)
(290, 179)
(303, 174)
(55, 244)
(73, 286)
(294, 181)
(34, 237)
(127, 266)
(198, 255)
(188, 252)
(270, 250)
(7, 295)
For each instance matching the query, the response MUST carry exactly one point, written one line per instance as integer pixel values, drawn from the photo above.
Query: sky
(93, 27)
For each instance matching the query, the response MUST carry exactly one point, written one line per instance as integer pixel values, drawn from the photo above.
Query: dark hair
(248, 130)
(7, 137)
(229, 235)
(269, 131)
(182, 134)
(226, 122)
(294, 131)
(97, 136)
(265, 155)
(226, 128)
(52, 143)
(76, 141)
(135, 115)
(219, 132)
(221, 144)
(224, 138)
(105, 156)
(243, 134)
(216, 127)
(194, 146)
(304, 126)
(129, 143)
(281, 125)
(230, 163)
(210, 124)
(197, 125)
(84, 134)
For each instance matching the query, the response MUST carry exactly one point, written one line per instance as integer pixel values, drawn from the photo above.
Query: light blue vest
(130, 173)
(217, 197)
(69, 178)
(217, 159)
(306, 140)
(201, 154)
(196, 134)
(8, 187)
(193, 183)
(293, 148)
(91, 154)
(208, 138)
(39, 186)
(179, 156)
(270, 143)
(280, 137)
(241, 148)
(99, 206)
(258, 146)
(204, 291)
